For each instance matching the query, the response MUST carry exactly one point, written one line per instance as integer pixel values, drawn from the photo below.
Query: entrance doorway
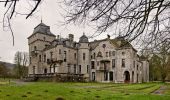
(111, 76)
(45, 71)
(127, 77)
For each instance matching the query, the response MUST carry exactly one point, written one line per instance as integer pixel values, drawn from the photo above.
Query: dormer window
(99, 54)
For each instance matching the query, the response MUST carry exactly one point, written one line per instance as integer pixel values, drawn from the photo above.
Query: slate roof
(119, 42)
(43, 29)
(83, 39)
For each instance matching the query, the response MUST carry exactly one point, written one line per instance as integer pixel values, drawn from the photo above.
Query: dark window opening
(65, 56)
(92, 64)
(87, 68)
(39, 58)
(94, 55)
(45, 71)
(75, 55)
(33, 69)
(123, 53)
(35, 48)
(79, 69)
(84, 56)
(74, 68)
(44, 58)
(111, 76)
(123, 62)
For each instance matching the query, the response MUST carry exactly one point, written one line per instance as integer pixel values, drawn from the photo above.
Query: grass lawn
(82, 91)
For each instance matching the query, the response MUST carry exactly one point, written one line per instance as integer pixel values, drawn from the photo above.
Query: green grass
(82, 91)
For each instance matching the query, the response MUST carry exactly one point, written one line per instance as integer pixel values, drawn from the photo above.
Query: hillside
(8, 65)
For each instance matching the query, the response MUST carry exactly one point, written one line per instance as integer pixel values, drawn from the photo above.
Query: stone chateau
(106, 60)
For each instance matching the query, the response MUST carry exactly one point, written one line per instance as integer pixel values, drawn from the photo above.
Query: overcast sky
(51, 13)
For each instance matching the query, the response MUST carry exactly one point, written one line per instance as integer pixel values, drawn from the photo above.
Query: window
(39, 58)
(46, 45)
(74, 68)
(113, 53)
(75, 55)
(91, 57)
(87, 68)
(94, 55)
(109, 53)
(104, 45)
(44, 58)
(113, 63)
(69, 68)
(79, 68)
(84, 56)
(92, 64)
(98, 63)
(137, 67)
(65, 56)
(106, 54)
(123, 53)
(44, 38)
(35, 48)
(59, 51)
(123, 62)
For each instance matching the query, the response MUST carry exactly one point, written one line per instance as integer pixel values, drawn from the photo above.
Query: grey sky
(50, 11)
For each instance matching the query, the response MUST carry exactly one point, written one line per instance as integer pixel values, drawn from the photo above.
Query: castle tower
(38, 41)
(83, 56)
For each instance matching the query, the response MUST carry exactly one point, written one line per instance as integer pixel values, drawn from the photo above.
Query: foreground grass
(82, 91)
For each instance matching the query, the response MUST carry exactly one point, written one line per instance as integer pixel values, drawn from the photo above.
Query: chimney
(71, 37)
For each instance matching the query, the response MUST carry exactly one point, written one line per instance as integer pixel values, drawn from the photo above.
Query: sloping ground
(81, 91)
(160, 91)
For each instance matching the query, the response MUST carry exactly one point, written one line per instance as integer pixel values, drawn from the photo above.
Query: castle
(107, 60)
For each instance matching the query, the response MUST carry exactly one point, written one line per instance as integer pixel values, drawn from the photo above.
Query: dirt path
(19, 82)
(160, 91)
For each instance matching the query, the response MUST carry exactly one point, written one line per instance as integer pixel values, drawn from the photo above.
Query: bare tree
(147, 18)
(11, 10)
(21, 62)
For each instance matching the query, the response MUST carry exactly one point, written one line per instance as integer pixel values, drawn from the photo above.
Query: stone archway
(127, 76)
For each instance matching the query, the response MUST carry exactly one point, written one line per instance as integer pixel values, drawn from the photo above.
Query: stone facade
(107, 60)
